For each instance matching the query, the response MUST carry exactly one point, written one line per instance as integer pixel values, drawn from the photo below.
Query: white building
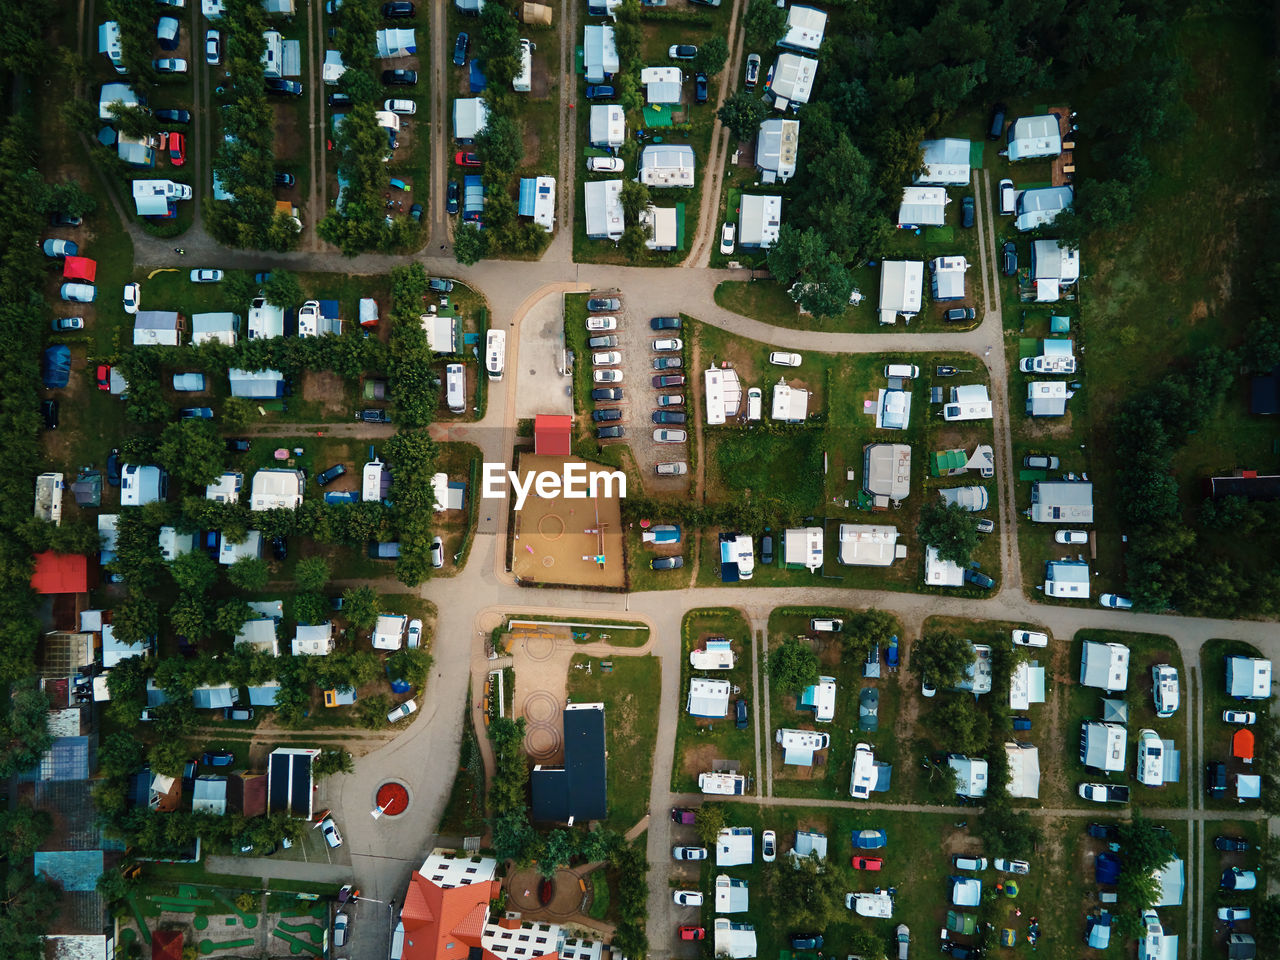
(1024, 770)
(276, 489)
(607, 126)
(886, 472)
(174, 544)
(1062, 502)
(945, 162)
(1104, 666)
(969, 402)
(662, 85)
(821, 699)
(599, 52)
(901, 289)
(737, 553)
(939, 572)
(790, 404)
(249, 547)
(142, 484)
(538, 201)
(48, 501)
(708, 698)
(313, 640)
(869, 545)
(731, 895)
(266, 320)
(1034, 137)
(805, 27)
(1102, 746)
(388, 632)
(802, 547)
(226, 489)
(261, 635)
(799, 746)
(923, 207)
(1155, 943)
(946, 278)
(1055, 265)
(722, 393)
(1158, 760)
(1026, 685)
(603, 202)
(222, 327)
(667, 165)
(1040, 206)
(470, 117)
(734, 847)
(893, 409)
(759, 219)
(715, 655)
(661, 226)
(777, 147)
(737, 941)
(970, 774)
(1248, 678)
(793, 77)
(1047, 398)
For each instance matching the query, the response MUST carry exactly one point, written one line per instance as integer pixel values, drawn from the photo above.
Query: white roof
(276, 489)
(1039, 136)
(759, 219)
(662, 84)
(723, 393)
(863, 778)
(731, 894)
(667, 165)
(966, 892)
(251, 546)
(821, 698)
(708, 698)
(544, 201)
(722, 784)
(941, 573)
(1049, 261)
(607, 125)
(886, 470)
(441, 331)
(923, 207)
(946, 163)
(114, 649)
(371, 481)
(1024, 769)
(1062, 501)
(265, 320)
(805, 26)
(1041, 205)
(901, 288)
(777, 146)
(799, 746)
(217, 327)
(1102, 746)
(1248, 678)
(740, 550)
(388, 632)
(734, 847)
(315, 640)
(867, 545)
(802, 547)
(971, 775)
(48, 502)
(1104, 666)
(1026, 685)
(448, 869)
(333, 68)
(790, 404)
(793, 77)
(77, 946)
(715, 655)
(447, 496)
(599, 52)
(603, 200)
(948, 277)
(470, 117)
(663, 227)
(893, 409)
(260, 634)
(737, 941)
(226, 489)
(396, 42)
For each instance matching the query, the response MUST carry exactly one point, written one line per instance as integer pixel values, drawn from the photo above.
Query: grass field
(1217, 734)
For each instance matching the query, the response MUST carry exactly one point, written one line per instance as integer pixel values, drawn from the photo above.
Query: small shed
(552, 435)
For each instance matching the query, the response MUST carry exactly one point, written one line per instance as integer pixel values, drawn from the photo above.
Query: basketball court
(568, 542)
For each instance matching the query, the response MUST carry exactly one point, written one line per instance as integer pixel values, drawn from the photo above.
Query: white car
(689, 853)
(671, 468)
(1074, 537)
(768, 846)
(132, 297)
(780, 359)
(340, 924)
(170, 65)
(401, 711)
(330, 830)
(606, 376)
(1008, 205)
(437, 552)
(1020, 867)
(669, 436)
(1247, 717)
(1232, 914)
(727, 235)
(79, 292)
(212, 47)
(415, 633)
(687, 898)
(608, 358)
(597, 324)
(1115, 602)
(1028, 638)
(206, 276)
(665, 346)
(605, 165)
(404, 107)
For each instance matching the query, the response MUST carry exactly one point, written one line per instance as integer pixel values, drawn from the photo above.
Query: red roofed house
(552, 434)
(166, 945)
(446, 917)
(60, 573)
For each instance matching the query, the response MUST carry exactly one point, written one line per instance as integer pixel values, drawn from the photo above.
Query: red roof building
(60, 573)
(166, 945)
(552, 434)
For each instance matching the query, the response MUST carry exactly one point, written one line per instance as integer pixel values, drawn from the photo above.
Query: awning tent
(55, 370)
(1242, 745)
(80, 268)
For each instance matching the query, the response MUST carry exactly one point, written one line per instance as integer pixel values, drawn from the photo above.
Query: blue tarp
(329, 309)
(477, 78)
(472, 198)
(56, 368)
(76, 871)
(335, 496)
(1107, 869)
(528, 196)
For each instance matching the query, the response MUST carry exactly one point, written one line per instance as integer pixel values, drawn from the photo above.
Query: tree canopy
(950, 529)
(793, 665)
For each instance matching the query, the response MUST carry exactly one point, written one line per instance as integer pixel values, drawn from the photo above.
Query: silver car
(669, 436)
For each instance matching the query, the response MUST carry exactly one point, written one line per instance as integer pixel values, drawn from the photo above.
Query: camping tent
(80, 268)
(538, 14)
(56, 368)
(1242, 745)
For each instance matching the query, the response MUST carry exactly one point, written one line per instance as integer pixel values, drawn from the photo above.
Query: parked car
(605, 165)
(606, 393)
(339, 99)
(687, 898)
(1010, 258)
(188, 382)
(440, 285)
(606, 415)
(671, 399)
(437, 552)
(766, 548)
(728, 235)
(168, 116)
(669, 380)
(400, 78)
(602, 342)
(692, 933)
(1072, 537)
(341, 924)
(406, 108)
(667, 363)
(1215, 779)
(689, 853)
(958, 951)
(700, 87)
(668, 416)
(206, 275)
(1230, 915)
(682, 51)
(1115, 602)
(326, 477)
(60, 248)
(608, 358)
(966, 212)
(870, 864)
(63, 324)
(49, 413)
(1230, 844)
(414, 636)
(664, 323)
(753, 70)
(740, 718)
(1246, 717)
(401, 711)
(289, 88)
(1102, 831)
(978, 579)
(330, 830)
(237, 713)
(373, 415)
(962, 862)
(451, 197)
(595, 324)
(995, 128)
(464, 159)
(1018, 867)
(212, 47)
(170, 65)
(783, 359)
(1027, 638)
(217, 758)
(78, 292)
(959, 314)
(666, 563)
(460, 47)
(668, 344)
(669, 436)
(132, 297)
(1008, 198)
(684, 815)
(196, 413)
(986, 526)
(807, 941)
(606, 376)
(397, 10)
(603, 304)
(768, 846)
(1104, 792)
(1039, 461)
(869, 709)
(671, 468)
(280, 548)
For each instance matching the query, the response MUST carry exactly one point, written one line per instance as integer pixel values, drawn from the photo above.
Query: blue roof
(210, 698)
(476, 77)
(264, 696)
(528, 196)
(76, 871)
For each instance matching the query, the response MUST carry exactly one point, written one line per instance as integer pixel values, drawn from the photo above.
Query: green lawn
(699, 741)
(1217, 735)
(628, 691)
(1214, 930)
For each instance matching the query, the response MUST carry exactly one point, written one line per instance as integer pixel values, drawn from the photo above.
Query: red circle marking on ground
(393, 798)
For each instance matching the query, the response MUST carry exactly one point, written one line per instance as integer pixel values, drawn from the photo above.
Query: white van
(1008, 198)
(908, 371)
(495, 353)
(456, 387)
(825, 625)
(522, 81)
(755, 397)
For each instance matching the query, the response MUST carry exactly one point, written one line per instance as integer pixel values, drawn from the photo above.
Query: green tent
(943, 461)
(1059, 324)
(963, 923)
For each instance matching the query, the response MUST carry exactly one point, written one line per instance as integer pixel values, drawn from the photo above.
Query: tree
(942, 658)
(411, 666)
(361, 607)
(190, 618)
(708, 822)
(282, 289)
(634, 198)
(950, 529)
(195, 572)
(24, 829)
(192, 451)
(309, 608)
(961, 726)
(168, 757)
(558, 852)
(25, 731)
(712, 55)
(114, 886)
(1006, 832)
(1267, 926)
(249, 574)
(121, 754)
(311, 574)
(470, 246)
(807, 894)
(232, 615)
(764, 22)
(743, 113)
(501, 143)
(514, 838)
(864, 630)
(333, 761)
(794, 665)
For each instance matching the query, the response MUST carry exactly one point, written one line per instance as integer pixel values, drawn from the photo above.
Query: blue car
(600, 91)
(196, 413)
(218, 758)
(460, 50)
(451, 202)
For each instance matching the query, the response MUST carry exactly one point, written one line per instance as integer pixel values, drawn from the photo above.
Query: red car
(464, 159)
(693, 933)
(104, 377)
(867, 863)
(177, 148)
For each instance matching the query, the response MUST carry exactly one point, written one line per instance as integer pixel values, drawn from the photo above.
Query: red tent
(1242, 744)
(80, 268)
(166, 945)
(552, 434)
(60, 573)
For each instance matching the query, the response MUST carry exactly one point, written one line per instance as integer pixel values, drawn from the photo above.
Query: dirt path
(435, 125)
(315, 202)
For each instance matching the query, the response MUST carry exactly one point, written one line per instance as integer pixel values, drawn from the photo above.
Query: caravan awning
(80, 268)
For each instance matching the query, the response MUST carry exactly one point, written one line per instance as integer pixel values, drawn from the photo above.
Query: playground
(565, 541)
